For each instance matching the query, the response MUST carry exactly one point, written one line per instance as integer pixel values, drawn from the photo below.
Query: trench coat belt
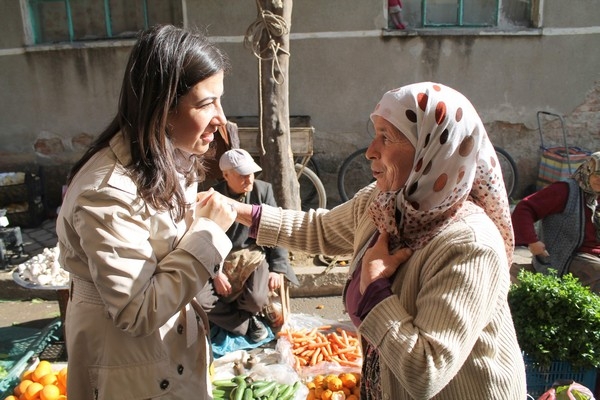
(84, 290)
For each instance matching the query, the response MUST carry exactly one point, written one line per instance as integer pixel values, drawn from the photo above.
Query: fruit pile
(43, 382)
(343, 386)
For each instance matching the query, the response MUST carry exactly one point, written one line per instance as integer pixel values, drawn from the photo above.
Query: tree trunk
(278, 160)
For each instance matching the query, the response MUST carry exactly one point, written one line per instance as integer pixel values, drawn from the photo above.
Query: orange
(27, 375)
(22, 386)
(50, 392)
(63, 388)
(351, 397)
(319, 392)
(318, 380)
(33, 391)
(11, 397)
(43, 368)
(62, 376)
(335, 384)
(348, 380)
(48, 379)
(326, 395)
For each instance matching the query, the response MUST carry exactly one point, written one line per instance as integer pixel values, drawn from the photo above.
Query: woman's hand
(378, 263)
(538, 249)
(214, 206)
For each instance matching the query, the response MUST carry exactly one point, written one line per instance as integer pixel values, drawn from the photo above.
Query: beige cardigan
(447, 332)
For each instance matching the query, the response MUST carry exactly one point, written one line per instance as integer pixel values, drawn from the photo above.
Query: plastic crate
(28, 191)
(539, 380)
(30, 218)
(21, 346)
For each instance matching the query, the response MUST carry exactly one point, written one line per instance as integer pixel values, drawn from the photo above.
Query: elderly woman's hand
(378, 263)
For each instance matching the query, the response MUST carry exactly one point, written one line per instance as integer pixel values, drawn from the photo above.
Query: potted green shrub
(557, 321)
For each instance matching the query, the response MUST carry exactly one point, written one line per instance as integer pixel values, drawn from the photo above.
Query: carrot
(315, 355)
(347, 349)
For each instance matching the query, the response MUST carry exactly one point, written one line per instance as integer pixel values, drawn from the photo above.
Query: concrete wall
(54, 99)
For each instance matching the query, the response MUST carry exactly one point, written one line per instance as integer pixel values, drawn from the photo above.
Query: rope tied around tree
(274, 26)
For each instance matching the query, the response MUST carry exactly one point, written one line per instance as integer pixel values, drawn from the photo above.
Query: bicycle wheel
(355, 173)
(509, 170)
(310, 191)
(309, 184)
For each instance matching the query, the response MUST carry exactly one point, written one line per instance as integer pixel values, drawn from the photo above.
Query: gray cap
(240, 161)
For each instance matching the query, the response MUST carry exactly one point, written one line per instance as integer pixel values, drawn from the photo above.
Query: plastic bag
(567, 391)
(305, 322)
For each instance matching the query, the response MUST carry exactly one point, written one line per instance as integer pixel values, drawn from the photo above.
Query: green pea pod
(284, 390)
(274, 393)
(224, 383)
(248, 394)
(259, 384)
(219, 392)
(290, 391)
(239, 391)
(264, 390)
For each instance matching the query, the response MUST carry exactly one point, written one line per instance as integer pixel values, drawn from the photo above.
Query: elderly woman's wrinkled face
(391, 155)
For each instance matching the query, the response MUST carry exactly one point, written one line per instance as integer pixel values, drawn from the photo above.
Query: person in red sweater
(395, 11)
(568, 236)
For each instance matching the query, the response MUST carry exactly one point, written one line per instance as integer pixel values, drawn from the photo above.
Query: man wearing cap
(240, 291)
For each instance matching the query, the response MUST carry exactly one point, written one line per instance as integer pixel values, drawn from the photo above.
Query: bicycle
(355, 173)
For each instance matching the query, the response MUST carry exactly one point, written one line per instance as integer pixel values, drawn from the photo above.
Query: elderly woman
(432, 242)
(569, 239)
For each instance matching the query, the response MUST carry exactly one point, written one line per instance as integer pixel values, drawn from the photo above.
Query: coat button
(180, 329)
(216, 269)
(164, 384)
(180, 369)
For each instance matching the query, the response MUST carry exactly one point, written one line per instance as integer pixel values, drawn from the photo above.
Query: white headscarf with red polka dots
(455, 171)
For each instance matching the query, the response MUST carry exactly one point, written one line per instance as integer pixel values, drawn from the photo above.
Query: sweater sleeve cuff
(256, 213)
(270, 223)
(375, 293)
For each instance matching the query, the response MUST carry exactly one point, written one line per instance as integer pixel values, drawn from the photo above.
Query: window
(54, 21)
(467, 13)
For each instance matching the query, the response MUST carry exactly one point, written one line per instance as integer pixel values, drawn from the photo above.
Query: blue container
(539, 380)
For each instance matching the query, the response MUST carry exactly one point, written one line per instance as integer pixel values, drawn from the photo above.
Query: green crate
(19, 347)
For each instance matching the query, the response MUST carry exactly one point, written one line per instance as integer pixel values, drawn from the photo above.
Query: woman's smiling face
(198, 115)
(391, 154)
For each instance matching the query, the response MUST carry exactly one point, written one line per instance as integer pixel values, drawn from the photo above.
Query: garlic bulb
(44, 269)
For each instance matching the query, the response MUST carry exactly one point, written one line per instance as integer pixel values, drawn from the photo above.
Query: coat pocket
(132, 382)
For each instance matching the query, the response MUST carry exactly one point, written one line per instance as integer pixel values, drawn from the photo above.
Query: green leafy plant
(556, 319)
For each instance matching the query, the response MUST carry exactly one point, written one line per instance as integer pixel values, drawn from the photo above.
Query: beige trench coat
(132, 331)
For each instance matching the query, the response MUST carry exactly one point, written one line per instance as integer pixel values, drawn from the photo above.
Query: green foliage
(556, 319)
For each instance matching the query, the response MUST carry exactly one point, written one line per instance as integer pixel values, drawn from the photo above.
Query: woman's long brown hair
(164, 64)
